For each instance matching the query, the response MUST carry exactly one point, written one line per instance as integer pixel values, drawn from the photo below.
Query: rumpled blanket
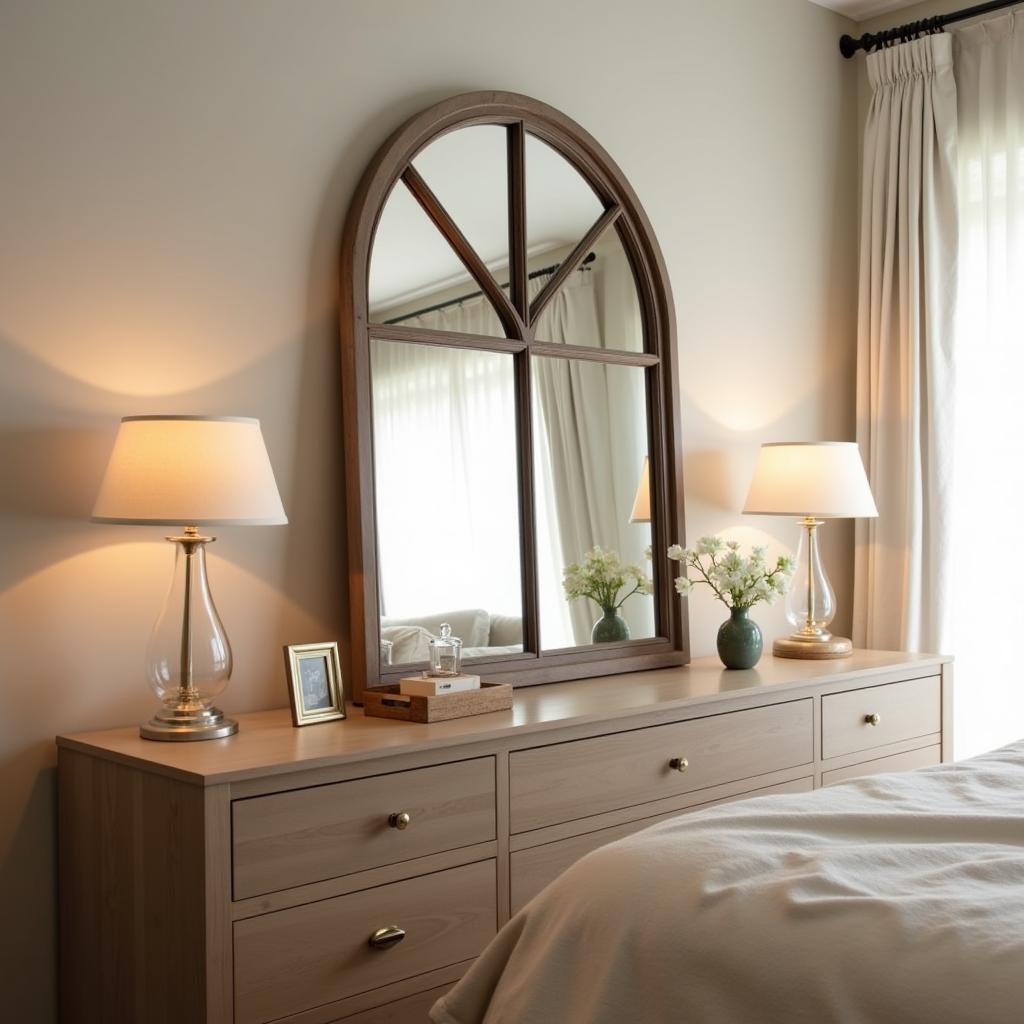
(892, 898)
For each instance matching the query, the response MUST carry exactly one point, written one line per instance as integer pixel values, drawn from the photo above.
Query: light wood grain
(146, 828)
(669, 806)
(393, 996)
(132, 888)
(905, 762)
(306, 835)
(572, 780)
(886, 750)
(905, 710)
(314, 954)
(411, 1010)
(313, 892)
(388, 702)
(947, 711)
(537, 867)
(267, 744)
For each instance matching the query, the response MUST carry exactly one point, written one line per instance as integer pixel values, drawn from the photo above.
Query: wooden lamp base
(814, 650)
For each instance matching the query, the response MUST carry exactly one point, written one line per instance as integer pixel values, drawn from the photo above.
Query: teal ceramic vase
(739, 640)
(610, 627)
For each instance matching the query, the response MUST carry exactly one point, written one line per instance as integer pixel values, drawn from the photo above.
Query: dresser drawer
(307, 956)
(306, 835)
(567, 781)
(877, 715)
(905, 762)
(535, 868)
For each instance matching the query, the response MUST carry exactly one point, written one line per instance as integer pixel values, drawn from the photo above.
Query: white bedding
(893, 898)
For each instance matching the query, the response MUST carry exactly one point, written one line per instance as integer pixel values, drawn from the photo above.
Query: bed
(893, 898)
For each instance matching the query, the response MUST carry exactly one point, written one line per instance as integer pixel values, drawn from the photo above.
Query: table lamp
(189, 471)
(814, 481)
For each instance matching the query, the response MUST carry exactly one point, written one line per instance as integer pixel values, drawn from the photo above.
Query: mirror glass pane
(447, 505)
(598, 305)
(416, 279)
(590, 465)
(468, 171)
(560, 206)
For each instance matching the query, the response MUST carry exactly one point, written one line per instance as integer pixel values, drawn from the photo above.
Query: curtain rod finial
(848, 46)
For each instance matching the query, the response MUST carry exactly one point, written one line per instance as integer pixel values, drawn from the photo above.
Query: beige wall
(172, 184)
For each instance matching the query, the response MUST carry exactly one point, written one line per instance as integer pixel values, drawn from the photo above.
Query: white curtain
(445, 454)
(572, 430)
(989, 489)
(590, 439)
(904, 348)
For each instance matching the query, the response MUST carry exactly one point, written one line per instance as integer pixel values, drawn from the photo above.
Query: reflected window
(591, 468)
(446, 484)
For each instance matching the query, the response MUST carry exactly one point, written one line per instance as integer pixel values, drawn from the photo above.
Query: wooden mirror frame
(623, 211)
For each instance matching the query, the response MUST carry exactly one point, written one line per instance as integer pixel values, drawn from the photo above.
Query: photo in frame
(315, 688)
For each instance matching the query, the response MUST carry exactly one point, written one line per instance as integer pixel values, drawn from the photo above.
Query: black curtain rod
(589, 258)
(848, 46)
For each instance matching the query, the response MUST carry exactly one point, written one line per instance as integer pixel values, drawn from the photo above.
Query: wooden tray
(387, 702)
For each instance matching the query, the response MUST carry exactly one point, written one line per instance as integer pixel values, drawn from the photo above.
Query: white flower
(733, 545)
(709, 545)
(602, 577)
(676, 553)
(683, 585)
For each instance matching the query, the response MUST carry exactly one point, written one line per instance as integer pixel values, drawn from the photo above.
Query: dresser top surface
(268, 743)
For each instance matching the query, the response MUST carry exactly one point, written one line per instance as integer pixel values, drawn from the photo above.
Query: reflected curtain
(586, 470)
(989, 63)
(571, 422)
(448, 515)
(908, 260)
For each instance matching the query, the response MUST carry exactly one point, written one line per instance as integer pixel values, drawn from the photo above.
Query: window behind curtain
(989, 416)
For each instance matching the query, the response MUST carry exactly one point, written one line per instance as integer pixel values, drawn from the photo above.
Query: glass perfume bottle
(445, 653)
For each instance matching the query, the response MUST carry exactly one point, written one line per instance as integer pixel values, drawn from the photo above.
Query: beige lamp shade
(642, 502)
(819, 479)
(189, 470)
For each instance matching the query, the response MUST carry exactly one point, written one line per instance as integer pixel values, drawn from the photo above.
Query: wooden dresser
(352, 870)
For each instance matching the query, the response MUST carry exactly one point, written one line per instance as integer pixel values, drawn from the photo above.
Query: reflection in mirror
(468, 171)
(416, 279)
(560, 206)
(447, 507)
(598, 305)
(590, 466)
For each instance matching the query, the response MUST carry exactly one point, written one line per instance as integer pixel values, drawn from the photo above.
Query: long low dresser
(351, 871)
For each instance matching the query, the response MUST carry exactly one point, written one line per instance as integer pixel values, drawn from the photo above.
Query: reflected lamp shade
(188, 471)
(823, 480)
(813, 481)
(642, 502)
(197, 470)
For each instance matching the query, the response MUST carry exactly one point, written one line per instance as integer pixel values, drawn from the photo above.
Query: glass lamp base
(188, 724)
(812, 648)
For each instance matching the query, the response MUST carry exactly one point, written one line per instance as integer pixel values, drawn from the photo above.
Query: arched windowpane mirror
(417, 278)
(596, 305)
(511, 424)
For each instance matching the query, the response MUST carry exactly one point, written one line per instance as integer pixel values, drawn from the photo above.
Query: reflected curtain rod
(589, 258)
(848, 46)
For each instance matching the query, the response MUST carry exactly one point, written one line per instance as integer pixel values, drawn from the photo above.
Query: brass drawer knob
(872, 719)
(399, 820)
(386, 937)
(679, 764)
